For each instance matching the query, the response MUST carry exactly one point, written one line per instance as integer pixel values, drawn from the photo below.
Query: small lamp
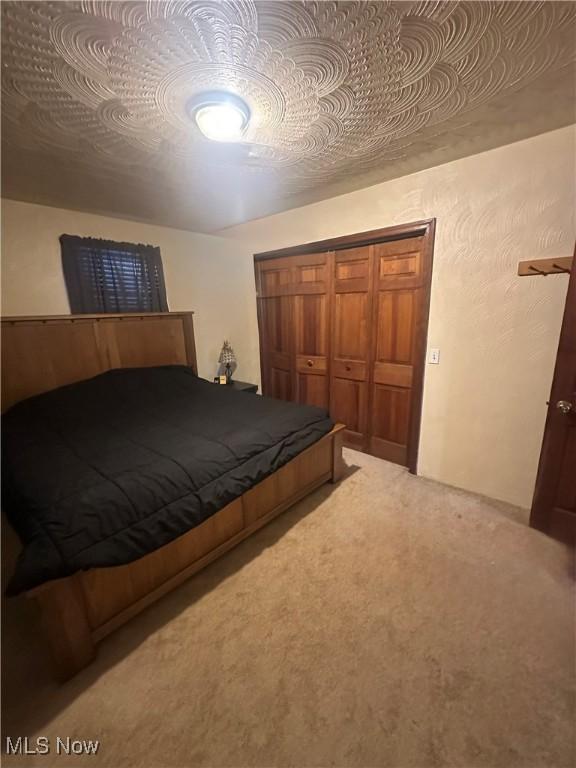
(227, 357)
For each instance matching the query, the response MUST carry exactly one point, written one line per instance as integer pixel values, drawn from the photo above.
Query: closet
(343, 326)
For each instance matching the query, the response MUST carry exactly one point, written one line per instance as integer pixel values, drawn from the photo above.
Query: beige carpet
(388, 621)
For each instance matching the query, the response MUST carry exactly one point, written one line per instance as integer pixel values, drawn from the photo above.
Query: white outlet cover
(434, 356)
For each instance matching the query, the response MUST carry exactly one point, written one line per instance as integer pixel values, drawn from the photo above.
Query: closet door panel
(350, 335)
(392, 374)
(311, 325)
(276, 317)
(394, 328)
(352, 270)
(280, 384)
(348, 401)
(312, 390)
(390, 423)
(274, 278)
(310, 274)
(395, 318)
(399, 264)
(311, 347)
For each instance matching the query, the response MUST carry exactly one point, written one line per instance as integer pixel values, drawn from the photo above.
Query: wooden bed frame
(41, 353)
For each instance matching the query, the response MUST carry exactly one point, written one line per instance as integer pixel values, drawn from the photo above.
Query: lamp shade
(227, 355)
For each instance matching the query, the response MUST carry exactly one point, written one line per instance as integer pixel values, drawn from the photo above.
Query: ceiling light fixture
(219, 115)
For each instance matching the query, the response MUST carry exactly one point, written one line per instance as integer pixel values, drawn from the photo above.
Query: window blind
(104, 276)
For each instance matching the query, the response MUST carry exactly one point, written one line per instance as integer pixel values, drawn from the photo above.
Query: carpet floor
(388, 621)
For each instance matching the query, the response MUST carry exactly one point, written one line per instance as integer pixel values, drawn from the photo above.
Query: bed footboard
(65, 625)
(79, 611)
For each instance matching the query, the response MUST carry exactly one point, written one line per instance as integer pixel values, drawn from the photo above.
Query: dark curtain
(103, 276)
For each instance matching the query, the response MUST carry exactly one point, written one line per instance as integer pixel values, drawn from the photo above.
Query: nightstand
(243, 386)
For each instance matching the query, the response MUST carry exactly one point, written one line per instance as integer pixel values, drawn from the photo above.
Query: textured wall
(209, 275)
(484, 405)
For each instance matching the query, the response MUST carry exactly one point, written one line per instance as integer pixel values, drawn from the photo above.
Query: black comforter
(101, 472)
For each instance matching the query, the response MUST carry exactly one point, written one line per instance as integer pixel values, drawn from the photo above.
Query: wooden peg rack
(561, 265)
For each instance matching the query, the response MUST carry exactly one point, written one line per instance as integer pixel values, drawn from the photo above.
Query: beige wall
(209, 275)
(484, 405)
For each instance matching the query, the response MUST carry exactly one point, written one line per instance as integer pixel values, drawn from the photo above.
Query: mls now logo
(25, 746)
(22, 745)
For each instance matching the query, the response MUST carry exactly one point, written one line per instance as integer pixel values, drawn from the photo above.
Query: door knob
(309, 363)
(564, 406)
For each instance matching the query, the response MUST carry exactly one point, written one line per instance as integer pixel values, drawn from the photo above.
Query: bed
(124, 473)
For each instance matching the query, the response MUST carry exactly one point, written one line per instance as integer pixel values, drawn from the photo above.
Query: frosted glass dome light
(220, 116)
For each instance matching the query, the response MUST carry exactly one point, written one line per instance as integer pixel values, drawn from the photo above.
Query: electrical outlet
(434, 356)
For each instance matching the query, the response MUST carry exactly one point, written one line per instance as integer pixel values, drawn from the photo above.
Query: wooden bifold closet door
(293, 316)
(275, 320)
(343, 327)
(351, 343)
(311, 328)
(398, 304)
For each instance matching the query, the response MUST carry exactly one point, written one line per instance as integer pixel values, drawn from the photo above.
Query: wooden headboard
(42, 353)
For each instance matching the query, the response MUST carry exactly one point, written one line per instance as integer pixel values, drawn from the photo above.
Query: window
(103, 276)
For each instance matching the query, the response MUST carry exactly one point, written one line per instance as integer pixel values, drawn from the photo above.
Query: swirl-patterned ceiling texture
(342, 95)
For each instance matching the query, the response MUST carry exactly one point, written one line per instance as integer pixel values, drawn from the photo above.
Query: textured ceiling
(342, 94)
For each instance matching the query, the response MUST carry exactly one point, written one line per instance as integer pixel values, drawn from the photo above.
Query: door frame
(425, 228)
